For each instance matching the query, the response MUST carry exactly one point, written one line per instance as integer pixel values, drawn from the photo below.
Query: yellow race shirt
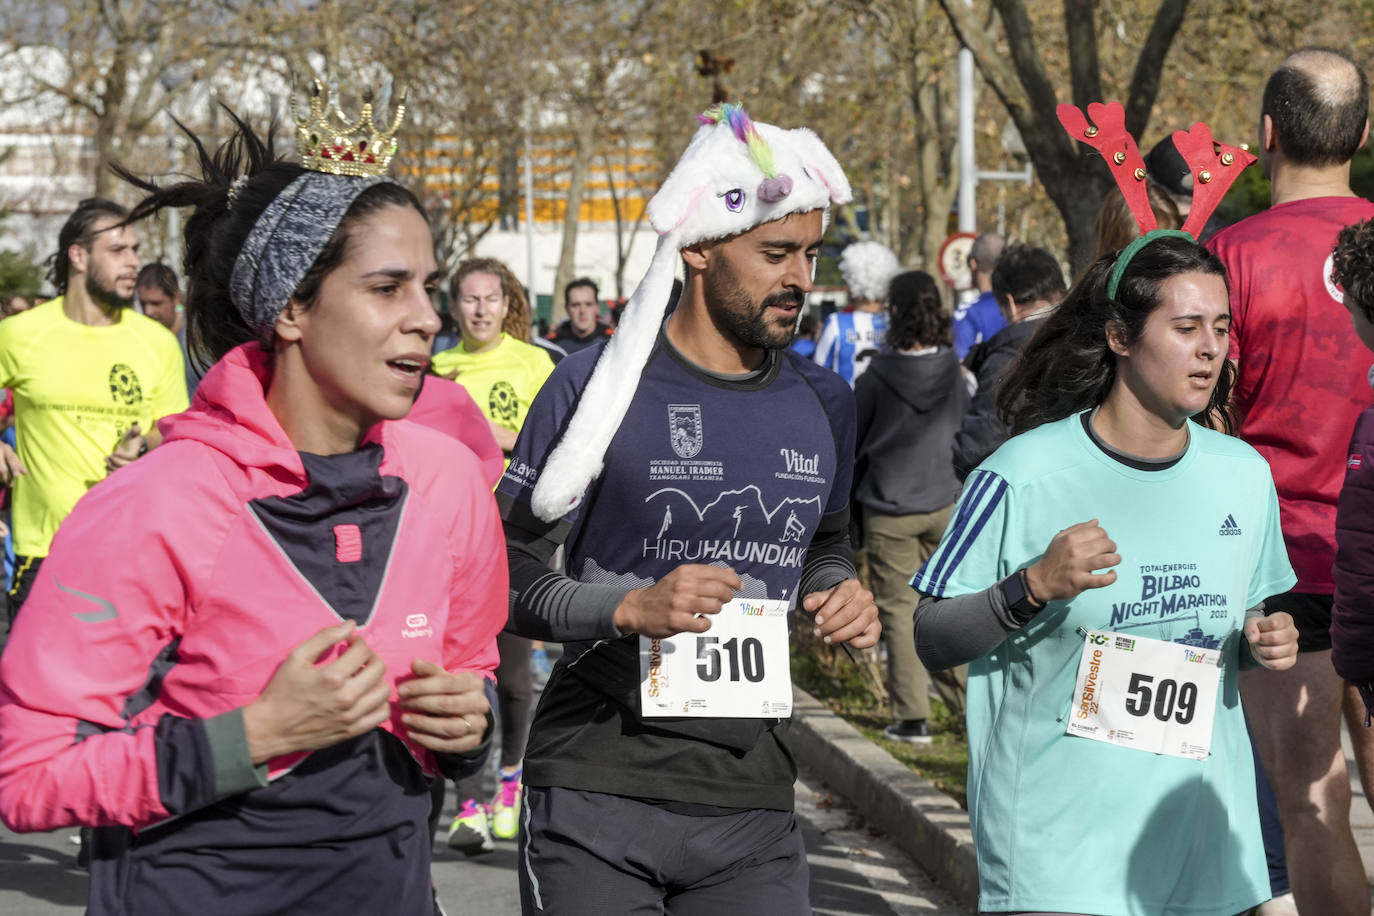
(503, 380)
(77, 389)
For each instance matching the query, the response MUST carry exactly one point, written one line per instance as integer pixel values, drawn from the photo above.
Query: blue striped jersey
(849, 340)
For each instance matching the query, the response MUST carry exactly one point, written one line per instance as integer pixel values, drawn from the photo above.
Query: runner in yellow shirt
(493, 362)
(502, 373)
(90, 377)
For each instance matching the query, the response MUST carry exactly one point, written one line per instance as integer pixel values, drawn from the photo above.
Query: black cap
(1167, 166)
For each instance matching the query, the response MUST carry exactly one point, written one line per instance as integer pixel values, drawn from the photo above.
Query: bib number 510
(743, 656)
(1166, 700)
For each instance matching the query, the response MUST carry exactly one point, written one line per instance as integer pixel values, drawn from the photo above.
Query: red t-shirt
(1304, 375)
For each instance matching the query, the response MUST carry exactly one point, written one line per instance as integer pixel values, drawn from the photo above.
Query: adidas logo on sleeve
(1229, 527)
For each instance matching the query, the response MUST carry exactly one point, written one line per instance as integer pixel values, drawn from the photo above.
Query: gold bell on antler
(1204, 176)
(1090, 131)
(1119, 158)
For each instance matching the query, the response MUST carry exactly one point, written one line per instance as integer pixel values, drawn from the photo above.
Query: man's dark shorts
(588, 854)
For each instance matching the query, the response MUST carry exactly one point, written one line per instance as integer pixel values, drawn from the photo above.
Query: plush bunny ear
(677, 197)
(820, 164)
(578, 458)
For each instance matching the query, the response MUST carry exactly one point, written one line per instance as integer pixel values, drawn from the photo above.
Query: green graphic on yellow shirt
(124, 386)
(503, 403)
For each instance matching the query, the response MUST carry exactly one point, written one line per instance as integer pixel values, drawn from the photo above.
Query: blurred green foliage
(1250, 193)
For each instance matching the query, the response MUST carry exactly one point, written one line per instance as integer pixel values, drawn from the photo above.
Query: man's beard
(743, 318)
(106, 296)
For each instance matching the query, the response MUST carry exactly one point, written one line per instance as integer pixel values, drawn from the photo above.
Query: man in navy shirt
(698, 508)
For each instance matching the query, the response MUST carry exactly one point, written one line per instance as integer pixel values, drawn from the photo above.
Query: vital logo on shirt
(806, 468)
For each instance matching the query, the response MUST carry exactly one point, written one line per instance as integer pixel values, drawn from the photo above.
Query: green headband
(1133, 249)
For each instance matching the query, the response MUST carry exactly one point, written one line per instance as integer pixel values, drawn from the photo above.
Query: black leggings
(514, 694)
(25, 574)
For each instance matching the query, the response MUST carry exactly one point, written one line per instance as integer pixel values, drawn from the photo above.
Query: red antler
(1118, 148)
(1214, 167)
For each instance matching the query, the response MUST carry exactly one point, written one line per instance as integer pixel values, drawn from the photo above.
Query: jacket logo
(107, 609)
(417, 627)
(684, 429)
(1229, 527)
(1354, 461)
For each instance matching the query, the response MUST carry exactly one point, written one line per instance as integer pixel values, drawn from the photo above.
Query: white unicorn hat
(735, 174)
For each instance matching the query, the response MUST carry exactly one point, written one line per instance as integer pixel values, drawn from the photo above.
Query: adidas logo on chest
(1229, 527)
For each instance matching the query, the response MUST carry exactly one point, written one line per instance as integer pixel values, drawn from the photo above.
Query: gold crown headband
(329, 143)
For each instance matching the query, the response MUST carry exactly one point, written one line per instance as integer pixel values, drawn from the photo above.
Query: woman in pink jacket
(251, 650)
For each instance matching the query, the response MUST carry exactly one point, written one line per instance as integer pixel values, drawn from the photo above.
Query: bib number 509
(1166, 700)
(743, 656)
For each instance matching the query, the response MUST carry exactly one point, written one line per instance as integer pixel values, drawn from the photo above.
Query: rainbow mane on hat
(744, 129)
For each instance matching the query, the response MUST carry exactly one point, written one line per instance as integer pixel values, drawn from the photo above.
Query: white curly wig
(868, 269)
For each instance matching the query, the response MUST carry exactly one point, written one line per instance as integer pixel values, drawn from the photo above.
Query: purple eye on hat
(734, 199)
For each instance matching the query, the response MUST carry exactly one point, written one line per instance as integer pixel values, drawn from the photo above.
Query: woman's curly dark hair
(1067, 367)
(917, 314)
(1352, 266)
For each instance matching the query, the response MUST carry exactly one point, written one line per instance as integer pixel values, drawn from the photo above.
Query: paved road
(852, 871)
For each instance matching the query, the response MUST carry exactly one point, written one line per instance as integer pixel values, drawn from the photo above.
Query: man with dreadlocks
(90, 376)
(698, 473)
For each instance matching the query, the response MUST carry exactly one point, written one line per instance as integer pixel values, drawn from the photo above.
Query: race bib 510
(737, 669)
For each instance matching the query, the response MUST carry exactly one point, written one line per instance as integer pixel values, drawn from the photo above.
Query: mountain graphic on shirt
(734, 512)
(595, 573)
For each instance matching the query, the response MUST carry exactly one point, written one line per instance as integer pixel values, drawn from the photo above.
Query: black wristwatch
(1016, 591)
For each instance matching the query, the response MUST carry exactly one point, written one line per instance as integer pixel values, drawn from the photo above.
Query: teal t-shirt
(1069, 824)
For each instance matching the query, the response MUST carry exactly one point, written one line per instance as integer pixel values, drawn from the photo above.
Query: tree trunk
(584, 141)
(1077, 189)
(107, 131)
(937, 174)
(1075, 182)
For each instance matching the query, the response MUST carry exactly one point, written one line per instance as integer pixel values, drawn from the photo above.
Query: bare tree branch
(999, 74)
(1080, 28)
(1025, 57)
(1140, 99)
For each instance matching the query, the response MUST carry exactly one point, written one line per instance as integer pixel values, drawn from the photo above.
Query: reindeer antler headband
(1214, 166)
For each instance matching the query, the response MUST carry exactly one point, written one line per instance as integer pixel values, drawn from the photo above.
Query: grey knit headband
(286, 240)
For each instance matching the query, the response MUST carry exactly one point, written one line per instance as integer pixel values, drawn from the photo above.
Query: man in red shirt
(1303, 380)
